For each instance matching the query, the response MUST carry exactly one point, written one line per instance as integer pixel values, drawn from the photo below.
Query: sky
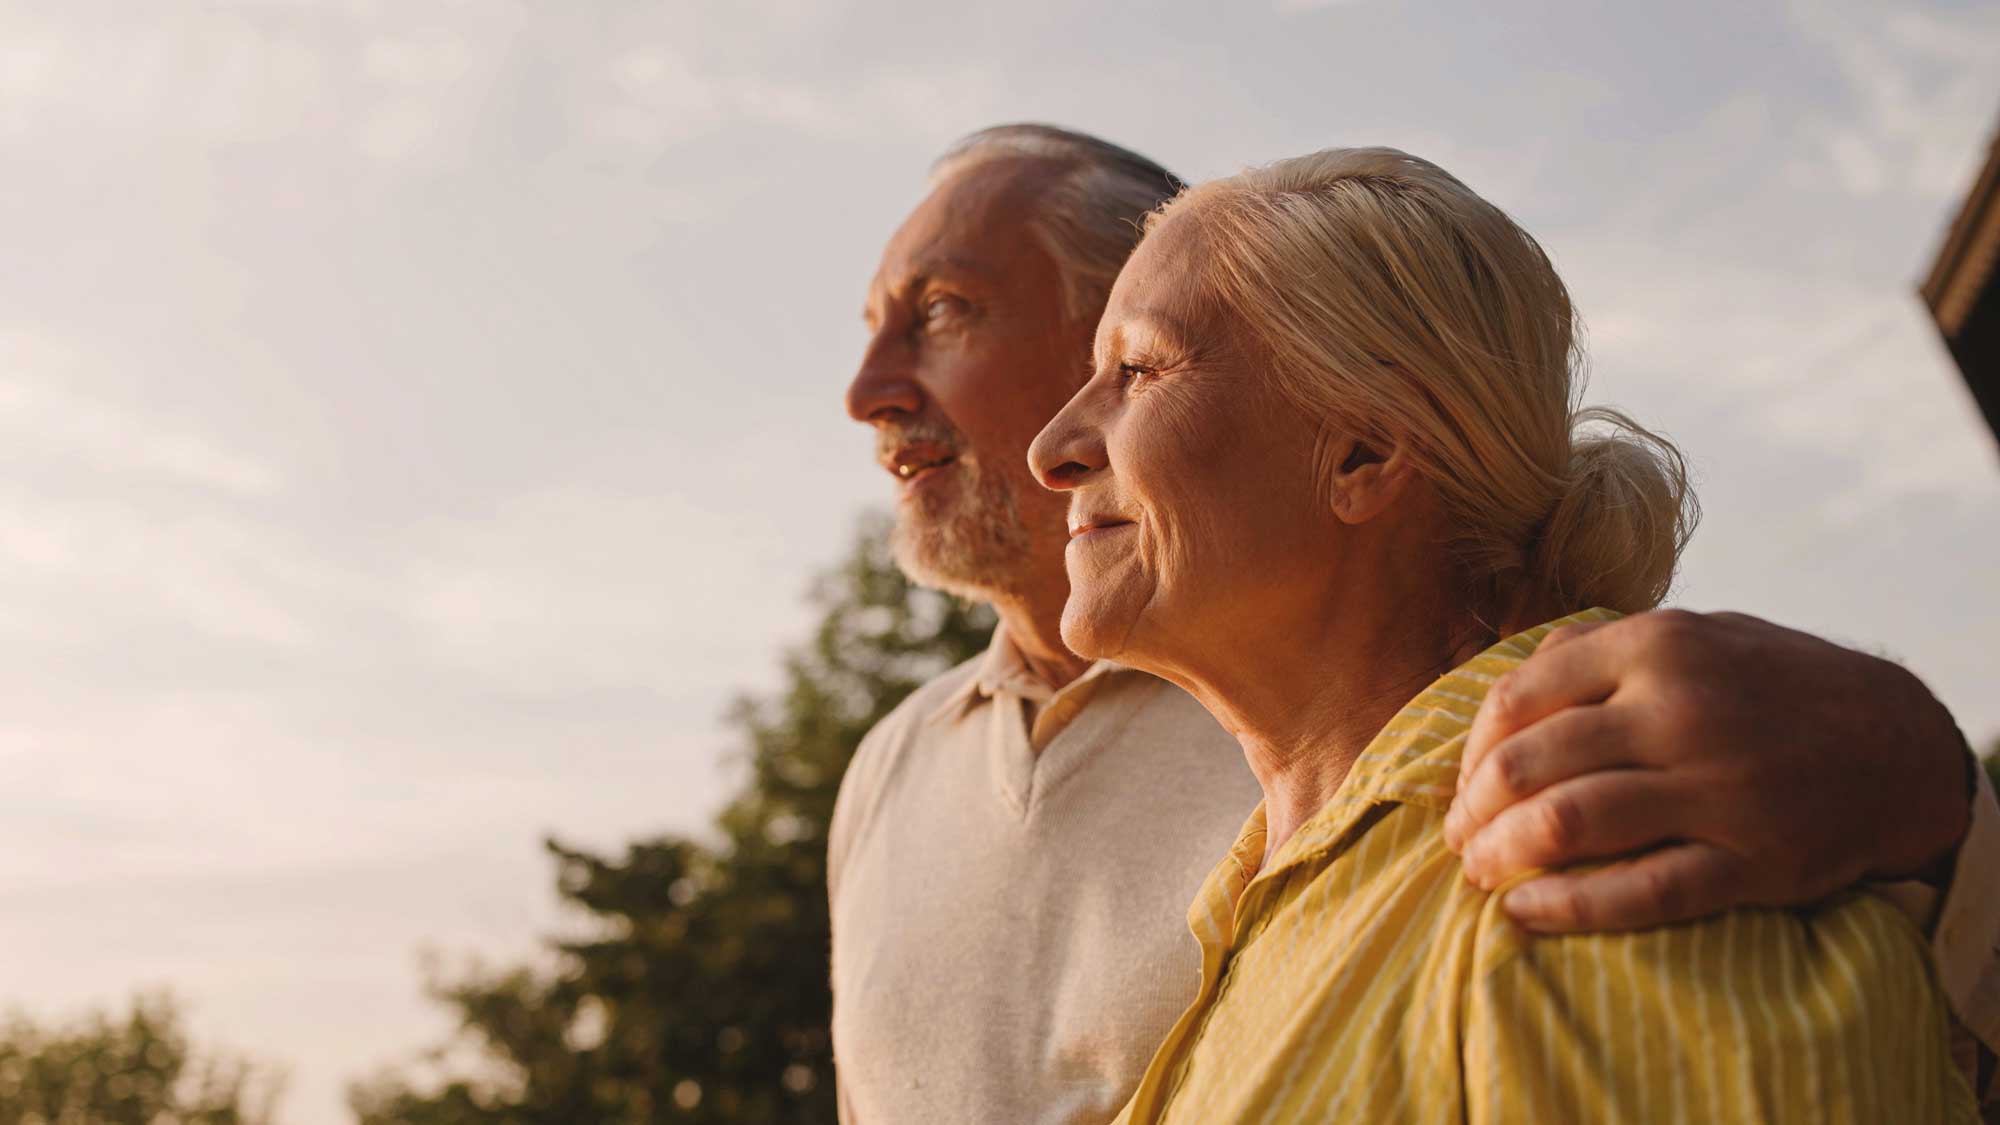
(419, 419)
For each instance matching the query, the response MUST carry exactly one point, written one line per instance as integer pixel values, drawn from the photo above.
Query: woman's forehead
(1171, 243)
(1162, 292)
(1163, 273)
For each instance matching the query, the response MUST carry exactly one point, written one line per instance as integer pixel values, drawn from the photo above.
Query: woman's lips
(1097, 527)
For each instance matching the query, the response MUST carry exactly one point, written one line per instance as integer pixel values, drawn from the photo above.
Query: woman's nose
(1070, 447)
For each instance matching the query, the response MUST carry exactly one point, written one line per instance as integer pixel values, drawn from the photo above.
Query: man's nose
(1071, 447)
(886, 384)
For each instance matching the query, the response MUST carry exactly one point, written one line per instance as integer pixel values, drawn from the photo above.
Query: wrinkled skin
(1190, 519)
(970, 351)
(1284, 570)
(1670, 711)
(1719, 759)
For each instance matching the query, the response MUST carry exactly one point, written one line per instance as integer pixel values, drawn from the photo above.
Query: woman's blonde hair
(1393, 299)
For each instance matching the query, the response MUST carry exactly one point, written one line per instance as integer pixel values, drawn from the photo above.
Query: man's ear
(1368, 474)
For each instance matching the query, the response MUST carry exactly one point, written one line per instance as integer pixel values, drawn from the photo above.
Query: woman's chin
(1091, 630)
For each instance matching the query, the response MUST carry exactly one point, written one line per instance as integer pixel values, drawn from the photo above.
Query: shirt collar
(1003, 671)
(1414, 759)
(1212, 915)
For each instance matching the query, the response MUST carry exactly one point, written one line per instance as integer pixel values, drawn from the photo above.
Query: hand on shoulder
(1730, 760)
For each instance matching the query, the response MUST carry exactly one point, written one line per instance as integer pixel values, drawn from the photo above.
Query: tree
(702, 994)
(138, 1069)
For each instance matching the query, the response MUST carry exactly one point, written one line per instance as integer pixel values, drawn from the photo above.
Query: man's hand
(1732, 761)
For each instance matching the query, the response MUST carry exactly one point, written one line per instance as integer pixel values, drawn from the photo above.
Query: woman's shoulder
(1829, 1011)
(1841, 935)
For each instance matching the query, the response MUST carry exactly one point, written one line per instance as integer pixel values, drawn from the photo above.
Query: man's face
(971, 352)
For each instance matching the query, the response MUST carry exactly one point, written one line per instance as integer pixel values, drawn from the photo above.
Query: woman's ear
(1368, 475)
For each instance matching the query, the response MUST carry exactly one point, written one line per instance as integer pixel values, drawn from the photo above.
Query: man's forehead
(973, 214)
(933, 260)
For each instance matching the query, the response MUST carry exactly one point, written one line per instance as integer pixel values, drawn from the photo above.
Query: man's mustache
(890, 439)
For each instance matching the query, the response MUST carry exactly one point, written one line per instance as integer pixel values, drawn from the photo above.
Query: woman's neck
(1304, 705)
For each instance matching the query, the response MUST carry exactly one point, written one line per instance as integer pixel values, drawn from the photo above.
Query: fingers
(1593, 817)
(1671, 885)
(1572, 666)
(1565, 745)
(1566, 633)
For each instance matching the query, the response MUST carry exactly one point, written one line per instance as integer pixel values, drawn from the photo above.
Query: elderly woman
(1331, 454)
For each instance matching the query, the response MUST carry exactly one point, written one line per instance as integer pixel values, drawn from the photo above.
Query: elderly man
(1015, 847)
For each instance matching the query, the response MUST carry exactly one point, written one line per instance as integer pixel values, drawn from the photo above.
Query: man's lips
(909, 462)
(910, 474)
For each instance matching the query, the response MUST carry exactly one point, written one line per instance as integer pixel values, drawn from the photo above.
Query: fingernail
(1525, 900)
(1453, 833)
(1474, 863)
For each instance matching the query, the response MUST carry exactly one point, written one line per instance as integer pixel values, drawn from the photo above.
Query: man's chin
(921, 547)
(930, 574)
(977, 563)
(967, 534)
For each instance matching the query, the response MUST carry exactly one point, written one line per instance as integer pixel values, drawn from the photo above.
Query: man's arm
(852, 805)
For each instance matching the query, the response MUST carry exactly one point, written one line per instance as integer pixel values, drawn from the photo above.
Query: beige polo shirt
(1009, 902)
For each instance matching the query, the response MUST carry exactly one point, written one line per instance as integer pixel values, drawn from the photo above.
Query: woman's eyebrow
(1157, 327)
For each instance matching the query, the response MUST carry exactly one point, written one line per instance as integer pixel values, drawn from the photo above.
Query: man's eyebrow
(950, 265)
(928, 270)
(925, 272)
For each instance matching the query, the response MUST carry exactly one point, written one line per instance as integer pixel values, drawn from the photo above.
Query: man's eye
(937, 308)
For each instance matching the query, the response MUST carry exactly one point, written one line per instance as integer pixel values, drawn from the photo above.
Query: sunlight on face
(1193, 504)
(970, 351)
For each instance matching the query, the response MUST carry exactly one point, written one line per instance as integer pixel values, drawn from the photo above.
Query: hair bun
(1626, 512)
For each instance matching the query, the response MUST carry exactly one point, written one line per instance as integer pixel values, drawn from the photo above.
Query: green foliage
(702, 996)
(139, 1069)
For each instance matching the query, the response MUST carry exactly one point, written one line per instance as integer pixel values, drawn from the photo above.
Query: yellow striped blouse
(1361, 978)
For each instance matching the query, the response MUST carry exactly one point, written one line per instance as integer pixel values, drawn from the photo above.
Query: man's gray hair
(1092, 216)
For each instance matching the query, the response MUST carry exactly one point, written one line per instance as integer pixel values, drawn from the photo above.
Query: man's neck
(1034, 625)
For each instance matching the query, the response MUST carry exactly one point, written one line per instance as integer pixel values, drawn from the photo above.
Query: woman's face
(1195, 520)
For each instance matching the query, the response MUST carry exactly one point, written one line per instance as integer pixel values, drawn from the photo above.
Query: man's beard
(968, 538)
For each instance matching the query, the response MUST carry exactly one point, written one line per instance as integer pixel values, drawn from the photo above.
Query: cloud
(41, 417)
(1916, 85)
(569, 591)
(392, 84)
(1295, 7)
(1847, 372)
(1758, 272)
(112, 507)
(654, 96)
